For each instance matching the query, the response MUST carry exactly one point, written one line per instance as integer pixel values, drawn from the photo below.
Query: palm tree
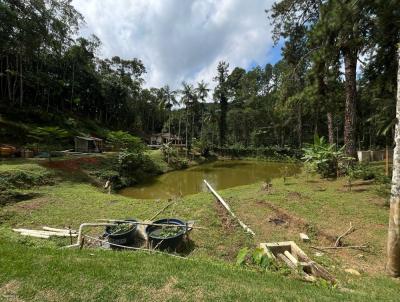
(168, 100)
(188, 99)
(202, 93)
(211, 119)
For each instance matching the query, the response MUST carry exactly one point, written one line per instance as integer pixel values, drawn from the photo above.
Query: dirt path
(273, 223)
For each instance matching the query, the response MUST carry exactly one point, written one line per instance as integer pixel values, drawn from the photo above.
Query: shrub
(324, 158)
(256, 258)
(14, 180)
(171, 156)
(124, 140)
(132, 167)
(23, 179)
(50, 138)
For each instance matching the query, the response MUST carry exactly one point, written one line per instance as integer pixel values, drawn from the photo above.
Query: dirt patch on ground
(32, 204)
(296, 197)
(356, 186)
(278, 220)
(9, 291)
(227, 221)
(295, 223)
(71, 164)
(48, 295)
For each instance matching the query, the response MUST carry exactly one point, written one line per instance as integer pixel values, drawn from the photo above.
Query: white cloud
(181, 39)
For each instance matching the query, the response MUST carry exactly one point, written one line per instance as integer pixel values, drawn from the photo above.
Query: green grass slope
(40, 270)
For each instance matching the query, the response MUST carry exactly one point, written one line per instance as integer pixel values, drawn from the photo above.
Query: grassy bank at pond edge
(38, 270)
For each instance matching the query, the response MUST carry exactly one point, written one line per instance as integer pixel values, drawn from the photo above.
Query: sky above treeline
(182, 40)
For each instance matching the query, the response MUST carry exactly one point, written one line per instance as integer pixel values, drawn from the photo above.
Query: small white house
(163, 138)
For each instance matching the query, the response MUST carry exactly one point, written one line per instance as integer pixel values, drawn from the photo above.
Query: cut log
(318, 271)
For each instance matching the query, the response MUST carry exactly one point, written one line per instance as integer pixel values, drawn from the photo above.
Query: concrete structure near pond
(374, 155)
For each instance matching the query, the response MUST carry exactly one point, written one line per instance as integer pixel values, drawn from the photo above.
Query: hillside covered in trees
(235, 178)
(336, 78)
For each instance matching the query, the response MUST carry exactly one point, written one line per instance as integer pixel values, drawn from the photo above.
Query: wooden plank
(287, 261)
(46, 233)
(291, 257)
(228, 208)
(36, 235)
(46, 228)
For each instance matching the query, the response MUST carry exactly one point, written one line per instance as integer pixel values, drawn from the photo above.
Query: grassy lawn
(37, 270)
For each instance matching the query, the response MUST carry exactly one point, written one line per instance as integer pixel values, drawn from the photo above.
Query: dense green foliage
(324, 158)
(15, 179)
(124, 140)
(28, 264)
(336, 78)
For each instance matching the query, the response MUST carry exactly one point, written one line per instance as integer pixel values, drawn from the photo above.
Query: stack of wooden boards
(47, 232)
(296, 259)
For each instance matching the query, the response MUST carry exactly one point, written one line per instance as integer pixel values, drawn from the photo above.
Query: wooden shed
(88, 144)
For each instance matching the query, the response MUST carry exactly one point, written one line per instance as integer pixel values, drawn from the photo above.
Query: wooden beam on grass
(228, 208)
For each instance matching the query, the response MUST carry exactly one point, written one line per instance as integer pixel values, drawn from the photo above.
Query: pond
(220, 174)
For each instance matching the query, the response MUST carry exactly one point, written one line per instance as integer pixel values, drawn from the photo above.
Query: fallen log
(356, 247)
(228, 208)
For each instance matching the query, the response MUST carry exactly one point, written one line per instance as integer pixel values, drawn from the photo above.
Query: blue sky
(182, 40)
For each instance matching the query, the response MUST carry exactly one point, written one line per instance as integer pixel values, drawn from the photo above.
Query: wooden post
(228, 208)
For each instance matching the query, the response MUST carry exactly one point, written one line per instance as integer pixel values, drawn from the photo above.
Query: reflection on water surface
(220, 174)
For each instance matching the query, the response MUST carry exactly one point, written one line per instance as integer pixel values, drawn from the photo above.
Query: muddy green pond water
(220, 174)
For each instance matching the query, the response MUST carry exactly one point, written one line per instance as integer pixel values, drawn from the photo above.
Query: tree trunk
(331, 135)
(179, 124)
(191, 138)
(186, 133)
(350, 65)
(299, 125)
(15, 79)
(1, 79)
(21, 85)
(72, 84)
(169, 124)
(48, 101)
(202, 121)
(222, 121)
(393, 244)
(8, 79)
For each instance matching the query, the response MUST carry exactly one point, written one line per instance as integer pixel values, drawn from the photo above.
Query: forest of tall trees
(336, 78)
